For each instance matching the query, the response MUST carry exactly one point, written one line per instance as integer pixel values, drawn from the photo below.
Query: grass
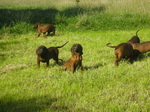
(101, 87)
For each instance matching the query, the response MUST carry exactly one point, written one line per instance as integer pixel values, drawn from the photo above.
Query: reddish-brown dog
(45, 54)
(45, 28)
(74, 62)
(123, 50)
(142, 47)
(134, 39)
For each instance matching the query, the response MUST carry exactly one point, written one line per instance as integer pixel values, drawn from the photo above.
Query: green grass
(101, 87)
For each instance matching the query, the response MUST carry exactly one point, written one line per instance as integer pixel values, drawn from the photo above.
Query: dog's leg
(56, 59)
(38, 62)
(64, 68)
(80, 66)
(44, 34)
(54, 32)
(39, 34)
(48, 33)
(118, 58)
(73, 68)
(47, 64)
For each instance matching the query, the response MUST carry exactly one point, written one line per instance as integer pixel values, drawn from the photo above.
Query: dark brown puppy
(45, 28)
(74, 62)
(76, 48)
(142, 47)
(123, 50)
(134, 39)
(45, 54)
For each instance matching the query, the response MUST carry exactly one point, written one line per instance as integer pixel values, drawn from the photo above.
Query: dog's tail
(137, 32)
(111, 46)
(62, 45)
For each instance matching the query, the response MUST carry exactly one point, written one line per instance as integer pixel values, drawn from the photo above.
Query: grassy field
(101, 87)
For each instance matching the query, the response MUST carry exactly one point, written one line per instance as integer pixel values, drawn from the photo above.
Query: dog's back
(47, 28)
(54, 50)
(123, 50)
(142, 47)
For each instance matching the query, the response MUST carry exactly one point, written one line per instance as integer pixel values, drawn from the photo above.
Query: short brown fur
(123, 50)
(142, 47)
(74, 62)
(45, 28)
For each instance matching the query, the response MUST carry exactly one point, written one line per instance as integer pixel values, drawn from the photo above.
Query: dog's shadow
(51, 35)
(96, 66)
(143, 56)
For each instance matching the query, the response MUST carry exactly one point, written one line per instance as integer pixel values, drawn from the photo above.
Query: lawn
(101, 87)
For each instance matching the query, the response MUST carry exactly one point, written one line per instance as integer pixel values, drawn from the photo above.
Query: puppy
(76, 48)
(134, 39)
(45, 28)
(142, 47)
(45, 54)
(123, 50)
(74, 62)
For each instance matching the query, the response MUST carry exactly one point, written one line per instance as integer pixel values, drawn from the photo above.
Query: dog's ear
(35, 25)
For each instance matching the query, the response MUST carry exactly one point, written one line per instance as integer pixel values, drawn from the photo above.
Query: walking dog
(45, 28)
(123, 50)
(142, 47)
(45, 54)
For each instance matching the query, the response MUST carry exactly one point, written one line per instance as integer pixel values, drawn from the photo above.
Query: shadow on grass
(94, 67)
(9, 17)
(4, 50)
(7, 104)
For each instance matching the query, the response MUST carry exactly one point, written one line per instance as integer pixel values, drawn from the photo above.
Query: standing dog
(123, 50)
(142, 47)
(134, 39)
(45, 28)
(45, 54)
(76, 59)
(74, 62)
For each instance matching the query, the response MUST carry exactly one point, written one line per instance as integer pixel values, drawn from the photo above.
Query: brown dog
(134, 39)
(74, 62)
(142, 47)
(76, 48)
(45, 54)
(123, 50)
(45, 28)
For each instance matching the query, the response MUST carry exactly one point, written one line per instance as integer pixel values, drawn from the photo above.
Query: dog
(45, 54)
(76, 48)
(74, 62)
(134, 39)
(45, 28)
(123, 50)
(142, 47)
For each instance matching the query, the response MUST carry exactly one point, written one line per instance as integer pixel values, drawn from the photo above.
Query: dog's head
(41, 50)
(35, 26)
(77, 48)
